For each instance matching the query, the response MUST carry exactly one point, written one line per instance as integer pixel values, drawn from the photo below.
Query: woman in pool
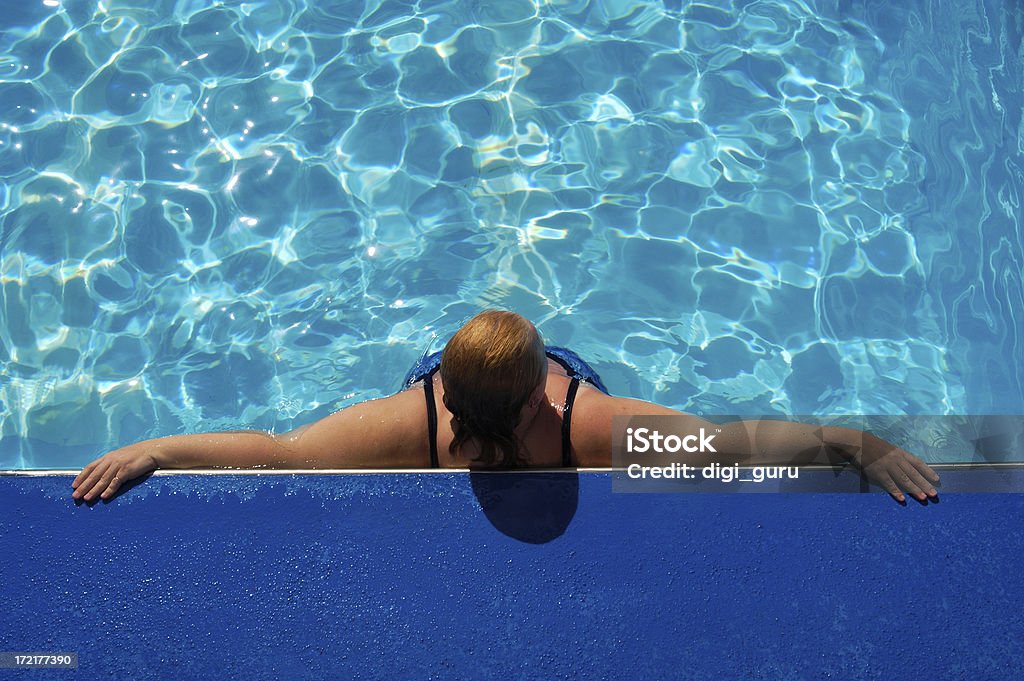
(496, 398)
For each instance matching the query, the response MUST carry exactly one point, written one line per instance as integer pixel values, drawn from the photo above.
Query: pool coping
(971, 478)
(417, 471)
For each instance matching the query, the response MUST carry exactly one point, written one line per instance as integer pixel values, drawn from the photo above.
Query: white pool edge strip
(418, 471)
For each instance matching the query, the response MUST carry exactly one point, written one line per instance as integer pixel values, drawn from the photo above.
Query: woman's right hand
(104, 476)
(894, 469)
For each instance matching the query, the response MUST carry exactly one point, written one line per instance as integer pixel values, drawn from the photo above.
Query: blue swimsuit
(574, 366)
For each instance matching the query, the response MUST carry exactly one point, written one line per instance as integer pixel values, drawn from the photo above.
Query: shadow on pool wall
(506, 576)
(534, 508)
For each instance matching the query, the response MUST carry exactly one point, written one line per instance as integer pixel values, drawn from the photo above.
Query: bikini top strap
(560, 362)
(428, 390)
(570, 397)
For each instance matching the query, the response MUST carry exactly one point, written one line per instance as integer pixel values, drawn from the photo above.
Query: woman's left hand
(104, 476)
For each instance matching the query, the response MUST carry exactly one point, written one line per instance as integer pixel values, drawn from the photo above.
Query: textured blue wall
(492, 576)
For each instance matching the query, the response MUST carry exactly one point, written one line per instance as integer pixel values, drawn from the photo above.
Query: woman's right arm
(766, 442)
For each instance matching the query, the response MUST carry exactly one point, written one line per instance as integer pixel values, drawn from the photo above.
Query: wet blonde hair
(490, 368)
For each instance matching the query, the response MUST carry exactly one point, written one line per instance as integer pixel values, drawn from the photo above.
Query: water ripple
(235, 215)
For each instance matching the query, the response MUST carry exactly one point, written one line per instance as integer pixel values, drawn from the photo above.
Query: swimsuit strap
(428, 390)
(560, 361)
(570, 397)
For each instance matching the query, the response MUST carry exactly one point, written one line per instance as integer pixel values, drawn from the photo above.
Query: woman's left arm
(384, 433)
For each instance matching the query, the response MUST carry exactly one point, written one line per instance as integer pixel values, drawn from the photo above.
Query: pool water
(253, 214)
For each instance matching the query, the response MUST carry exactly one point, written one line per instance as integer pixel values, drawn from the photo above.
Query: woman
(496, 397)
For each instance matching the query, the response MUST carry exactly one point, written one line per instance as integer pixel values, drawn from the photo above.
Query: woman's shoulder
(388, 432)
(593, 416)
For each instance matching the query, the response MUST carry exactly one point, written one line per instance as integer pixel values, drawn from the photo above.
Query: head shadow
(531, 507)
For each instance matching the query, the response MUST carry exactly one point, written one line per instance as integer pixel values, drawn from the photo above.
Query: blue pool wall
(452, 575)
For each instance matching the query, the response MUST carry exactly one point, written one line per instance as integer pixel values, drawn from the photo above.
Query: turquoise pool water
(253, 214)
